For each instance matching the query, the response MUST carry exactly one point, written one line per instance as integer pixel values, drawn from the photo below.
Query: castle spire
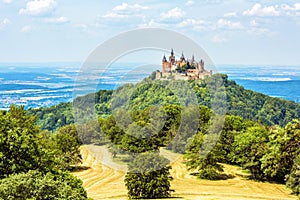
(164, 58)
(172, 52)
(182, 56)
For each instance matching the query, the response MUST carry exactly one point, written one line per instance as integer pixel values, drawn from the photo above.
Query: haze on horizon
(230, 31)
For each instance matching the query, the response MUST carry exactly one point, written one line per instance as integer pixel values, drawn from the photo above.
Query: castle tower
(172, 58)
(193, 59)
(201, 66)
(182, 58)
(166, 66)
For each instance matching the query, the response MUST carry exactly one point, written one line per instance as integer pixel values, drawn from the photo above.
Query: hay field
(106, 181)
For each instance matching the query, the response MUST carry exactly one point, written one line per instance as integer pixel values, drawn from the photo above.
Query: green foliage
(293, 179)
(249, 148)
(232, 127)
(19, 149)
(35, 185)
(67, 144)
(51, 118)
(148, 177)
(206, 163)
(283, 148)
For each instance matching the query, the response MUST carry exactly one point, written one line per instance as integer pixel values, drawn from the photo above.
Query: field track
(106, 181)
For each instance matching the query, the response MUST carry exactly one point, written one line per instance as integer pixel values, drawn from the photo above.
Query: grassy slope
(103, 182)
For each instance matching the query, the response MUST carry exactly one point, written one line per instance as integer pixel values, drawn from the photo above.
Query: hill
(236, 99)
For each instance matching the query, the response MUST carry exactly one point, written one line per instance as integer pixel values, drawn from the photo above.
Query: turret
(201, 66)
(182, 58)
(172, 52)
(164, 59)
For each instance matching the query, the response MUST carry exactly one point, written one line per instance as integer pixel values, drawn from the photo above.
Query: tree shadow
(79, 168)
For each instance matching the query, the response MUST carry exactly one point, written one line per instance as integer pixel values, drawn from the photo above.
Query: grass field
(104, 179)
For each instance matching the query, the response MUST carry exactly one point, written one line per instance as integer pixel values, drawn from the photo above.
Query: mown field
(106, 181)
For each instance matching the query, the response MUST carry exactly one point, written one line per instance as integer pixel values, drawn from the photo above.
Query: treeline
(237, 101)
(36, 164)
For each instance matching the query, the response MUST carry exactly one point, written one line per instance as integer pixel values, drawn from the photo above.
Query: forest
(211, 122)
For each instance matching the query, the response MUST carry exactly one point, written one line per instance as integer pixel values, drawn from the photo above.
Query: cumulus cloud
(59, 20)
(26, 29)
(190, 22)
(39, 7)
(230, 14)
(125, 10)
(190, 3)
(5, 22)
(259, 10)
(293, 10)
(127, 7)
(219, 38)
(253, 23)
(7, 1)
(295, 7)
(223, 23)
(173, 14)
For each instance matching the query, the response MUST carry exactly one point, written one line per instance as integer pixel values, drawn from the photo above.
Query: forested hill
(236, 99)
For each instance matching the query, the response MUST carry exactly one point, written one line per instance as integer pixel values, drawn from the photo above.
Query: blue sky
(231, 31)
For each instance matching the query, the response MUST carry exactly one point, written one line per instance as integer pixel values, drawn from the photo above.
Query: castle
(182, 69)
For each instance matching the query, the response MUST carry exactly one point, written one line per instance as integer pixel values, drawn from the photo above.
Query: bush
(35, 185)
(148, 177)
(293, 179)
(209, 174)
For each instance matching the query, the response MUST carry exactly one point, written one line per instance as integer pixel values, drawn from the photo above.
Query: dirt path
(106, 181)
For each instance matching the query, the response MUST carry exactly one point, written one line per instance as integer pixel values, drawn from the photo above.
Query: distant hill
(233, 98)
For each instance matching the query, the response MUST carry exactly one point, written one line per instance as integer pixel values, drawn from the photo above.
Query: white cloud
(5, 22)
(128, 7)
(291, 10)
(39, 7)
(59, 20)
(26, 29)
(259, 10)
(175, 13)
(295, 7)
(152, 24)
(223, 23)
(125, 10)
(230, 14)
(190, 22)
(115, 15)
(219, 39)
(253, 23)
(190, 3)
(259, 32)
(7, 1)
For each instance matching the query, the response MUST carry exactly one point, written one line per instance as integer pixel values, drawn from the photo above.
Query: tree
(293, 179)
(249, 148)
(283, 148)
(66, 141)
(148, 177)
(233, 126)
(206, 163)
(19, 149)
(36, 185)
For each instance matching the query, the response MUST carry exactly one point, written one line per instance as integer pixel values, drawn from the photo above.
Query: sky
(245, 32)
